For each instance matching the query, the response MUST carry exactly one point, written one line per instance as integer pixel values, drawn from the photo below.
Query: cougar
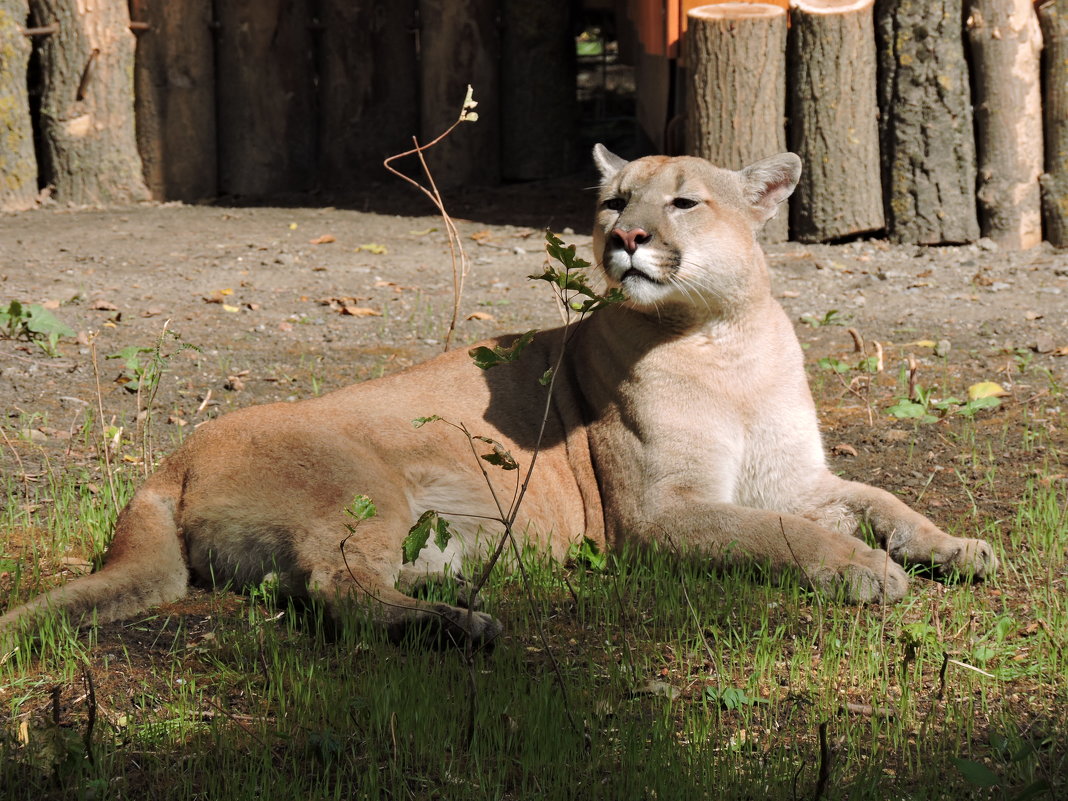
(681, 417)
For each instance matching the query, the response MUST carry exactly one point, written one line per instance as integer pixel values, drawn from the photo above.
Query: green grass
(681, 682)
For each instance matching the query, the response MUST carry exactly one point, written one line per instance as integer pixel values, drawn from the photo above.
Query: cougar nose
(631, 239)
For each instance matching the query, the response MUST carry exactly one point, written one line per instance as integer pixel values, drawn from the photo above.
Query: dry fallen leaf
(51, 305)
(844, 449)
(103, 305)
(481, 236)
(1061, 351)
(360, 311)
(232, 309)
(325, 239)
(480, 315)
(218, 295)
(986, 389)
(337, 303)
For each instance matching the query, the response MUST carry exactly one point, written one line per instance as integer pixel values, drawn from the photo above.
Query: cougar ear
(607, 162)
(769, 182)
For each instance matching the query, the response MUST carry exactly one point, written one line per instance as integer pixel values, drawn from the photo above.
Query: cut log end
(830, 6)
(736, 11)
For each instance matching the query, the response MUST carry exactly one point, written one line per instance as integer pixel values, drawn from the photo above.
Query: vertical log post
(174, 83)
(925, 122)
(539, 109)
(1005, 43)
(368, 87)
(834, 120)
(18, 165)
(460, 45)
(265, 93)
(1053, 16)
(89, 153)
(735, 107)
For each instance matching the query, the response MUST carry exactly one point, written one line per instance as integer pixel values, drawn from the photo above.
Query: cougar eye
(615, 204)
(684, 203)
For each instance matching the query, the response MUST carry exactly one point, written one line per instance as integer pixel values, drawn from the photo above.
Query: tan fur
(681, 417)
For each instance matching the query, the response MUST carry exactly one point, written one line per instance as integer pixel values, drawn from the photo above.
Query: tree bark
(459, 45)
(539, 109)
(736, 104)
(925, 123)
(1005, 43)
(265, 92)
(1053, 16)
(174, 82)
(18, 164)
(834, 120)
(89, 148)
(368, 87)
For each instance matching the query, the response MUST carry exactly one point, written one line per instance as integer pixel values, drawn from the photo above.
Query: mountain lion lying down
(681, 416)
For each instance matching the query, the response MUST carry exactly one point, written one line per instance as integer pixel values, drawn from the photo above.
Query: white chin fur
(639, 290)
(646, 293)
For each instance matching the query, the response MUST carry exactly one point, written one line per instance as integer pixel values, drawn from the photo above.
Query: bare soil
(277, 316)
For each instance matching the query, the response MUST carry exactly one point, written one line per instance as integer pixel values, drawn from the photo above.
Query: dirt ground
(286, 302)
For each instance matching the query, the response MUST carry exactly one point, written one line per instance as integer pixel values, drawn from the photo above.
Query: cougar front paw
(459, 624)
(867, 577)
(969, 557)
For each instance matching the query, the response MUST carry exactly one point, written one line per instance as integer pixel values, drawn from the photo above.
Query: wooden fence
(253, 98)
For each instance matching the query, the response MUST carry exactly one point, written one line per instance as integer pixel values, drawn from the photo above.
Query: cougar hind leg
(144, 567)
(339, 587)
(420, 583)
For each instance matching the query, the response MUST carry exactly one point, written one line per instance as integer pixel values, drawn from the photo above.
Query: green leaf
(418, 536)
(361, 508)
(983, 654)
(419, 422)
(485, 358)
(976, 773)
(546, 377)
(731, 698)
(831, 363)
(565, 254)
(429, 522)
(442, 532)
(970, 408)
(832, 317)
(869, 365)
(499, 456)
(918, 632)
(131, 357)
(40, 320)
(905, 409)
(587, 553)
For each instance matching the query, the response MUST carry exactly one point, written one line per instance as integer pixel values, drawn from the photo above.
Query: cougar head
(673, 231)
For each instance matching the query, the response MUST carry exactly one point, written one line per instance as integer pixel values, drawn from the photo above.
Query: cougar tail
(144, 567)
